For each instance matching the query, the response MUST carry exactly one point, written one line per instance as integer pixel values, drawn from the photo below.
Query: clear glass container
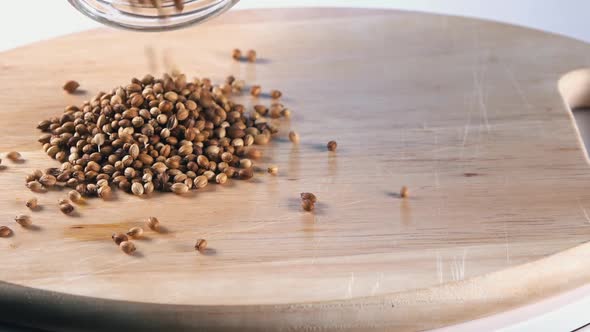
(142, 15)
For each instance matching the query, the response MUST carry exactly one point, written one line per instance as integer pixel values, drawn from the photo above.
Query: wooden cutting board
(466, 113)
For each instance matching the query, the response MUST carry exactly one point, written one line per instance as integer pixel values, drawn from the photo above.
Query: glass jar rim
(106, 12)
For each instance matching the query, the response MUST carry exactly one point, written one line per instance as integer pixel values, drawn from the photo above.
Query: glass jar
(142, 15)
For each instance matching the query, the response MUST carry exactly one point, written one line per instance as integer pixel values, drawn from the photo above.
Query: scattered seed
(275, 94)
(32, 203)
(127, 246)
(236, 54)
(256, 90)
(71, 86)
(119, 237)
(403, 193)
(309, 196)
(66, 208)
(332, 145)
(273, 170)
(5, 231)
(294, 137)
(251, 56)
(135, 232)
(153, 223)
(201, 244)
(75, 196)
(35, 186)
(307, 205)
(13, 155)
(48, 180)
(23, 220)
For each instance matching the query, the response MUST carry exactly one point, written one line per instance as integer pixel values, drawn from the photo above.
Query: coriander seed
(137, 189)
(23, 220)
(275, 94)
(307, 205)
(32, 203)
(48, 180)
(201, 244)
(153, 223)
(35, 186)
(71, 86)
(221, 178)
(66, 208)
(179, 188)
(251, 56)
(256, 90)
(309, 196)
(273, 170)
(201, 181)
(135, 232)
(127, 247)
(5, 231)
(119, 237)
(404, 192)
(245, 173)
(332, 145)
(236, 54)
(294, 137)
(13, 155)
(75, 196)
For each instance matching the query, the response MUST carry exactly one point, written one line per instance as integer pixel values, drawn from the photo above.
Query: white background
(26, 21)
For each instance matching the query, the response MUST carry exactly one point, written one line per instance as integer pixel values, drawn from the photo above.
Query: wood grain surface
(466, 113)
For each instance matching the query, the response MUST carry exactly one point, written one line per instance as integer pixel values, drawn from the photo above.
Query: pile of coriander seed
(167, 134)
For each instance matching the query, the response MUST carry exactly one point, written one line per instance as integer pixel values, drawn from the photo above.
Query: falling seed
(294, 137)
(201, 244)
(23, 220)
(135, 232)
(273, 170)
(153, 223)
(32, 203)
(71, 86)
(13, 155)
(119, 237)
(332, 145)
(404, 192)
(127, 246)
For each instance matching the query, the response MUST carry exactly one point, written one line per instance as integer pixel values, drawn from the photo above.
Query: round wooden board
(466, 113)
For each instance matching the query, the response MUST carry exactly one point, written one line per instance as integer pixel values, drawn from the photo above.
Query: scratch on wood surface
(377, 284)
(477, 83)
(439, 268)
(584, 211)
(350, 285)
(458, 267)
(436, 178)
(516, 85)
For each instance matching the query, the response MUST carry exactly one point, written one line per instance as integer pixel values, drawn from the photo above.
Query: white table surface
(26, 21)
